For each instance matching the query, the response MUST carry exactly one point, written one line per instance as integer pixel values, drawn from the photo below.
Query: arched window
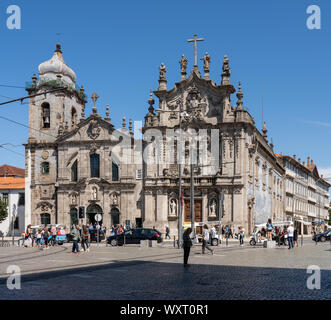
(45, 168)
(46, 115)
(74, 172)
(73, 117)
(115, 175)
(95, 165)
(45, 218)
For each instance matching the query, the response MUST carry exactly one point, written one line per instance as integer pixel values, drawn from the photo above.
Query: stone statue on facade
(226, 71)
(163, 72)
(183, 65)
(213, 206)
(173, 207)
(206, 62)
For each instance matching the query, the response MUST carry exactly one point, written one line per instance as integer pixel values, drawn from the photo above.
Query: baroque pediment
(91, 129)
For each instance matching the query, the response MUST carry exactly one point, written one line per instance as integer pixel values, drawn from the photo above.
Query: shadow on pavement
(146, 280)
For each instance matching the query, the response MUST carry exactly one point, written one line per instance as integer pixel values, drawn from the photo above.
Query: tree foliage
(3, 211)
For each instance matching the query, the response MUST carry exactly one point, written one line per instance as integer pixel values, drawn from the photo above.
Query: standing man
(53, 233)
(295, 237)
(241, 235)
(205, 240)
(290, 232)
(76, 238)
(187, 244)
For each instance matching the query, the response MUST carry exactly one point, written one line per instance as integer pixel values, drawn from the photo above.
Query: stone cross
(195, 40)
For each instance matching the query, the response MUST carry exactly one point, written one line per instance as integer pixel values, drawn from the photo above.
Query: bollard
(174, 241)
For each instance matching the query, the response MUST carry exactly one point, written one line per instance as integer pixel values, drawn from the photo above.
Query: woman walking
(187, 245)
(85, 239)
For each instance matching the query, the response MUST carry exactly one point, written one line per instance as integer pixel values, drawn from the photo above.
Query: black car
(322, 237)
(134, 236)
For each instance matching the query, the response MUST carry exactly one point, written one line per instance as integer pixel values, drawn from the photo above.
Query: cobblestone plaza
(232, 273)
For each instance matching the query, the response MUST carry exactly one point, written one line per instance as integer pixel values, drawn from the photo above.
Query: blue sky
(116, 48)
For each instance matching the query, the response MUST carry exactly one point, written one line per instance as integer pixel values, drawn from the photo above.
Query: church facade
(75, 167)
(72, 173)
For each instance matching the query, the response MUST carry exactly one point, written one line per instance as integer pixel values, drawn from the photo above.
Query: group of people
(280, 234)
(39, 237)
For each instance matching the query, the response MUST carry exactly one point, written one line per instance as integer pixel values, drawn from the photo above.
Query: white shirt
(205, 234)
(290, 231)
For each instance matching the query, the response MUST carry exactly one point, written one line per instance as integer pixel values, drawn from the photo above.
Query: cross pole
(195, 40)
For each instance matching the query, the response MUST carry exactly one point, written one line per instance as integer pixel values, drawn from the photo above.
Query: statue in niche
(173, 207)
(94, 193)
(213, 206)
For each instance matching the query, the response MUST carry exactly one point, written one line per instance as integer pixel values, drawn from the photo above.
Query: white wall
(13, 209)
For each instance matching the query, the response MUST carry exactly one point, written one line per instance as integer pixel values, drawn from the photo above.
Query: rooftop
(11, 183)
(10, 171)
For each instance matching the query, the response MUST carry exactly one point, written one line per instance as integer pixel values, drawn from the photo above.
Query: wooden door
(197, 213)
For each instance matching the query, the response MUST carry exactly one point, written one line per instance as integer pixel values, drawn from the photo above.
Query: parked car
(322, 237)
(134, 236)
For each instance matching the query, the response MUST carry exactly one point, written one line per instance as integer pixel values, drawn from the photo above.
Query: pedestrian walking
(167, 229)
(187, 244)
(38, 242)
(205, 240)
(76, 238)
(53, 234)
(295, 237)
(290, 233)
(46, 236)
(241, 235)
(269, 229)
(85, 239)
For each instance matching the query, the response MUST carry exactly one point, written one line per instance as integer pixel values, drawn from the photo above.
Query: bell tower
(60, 110)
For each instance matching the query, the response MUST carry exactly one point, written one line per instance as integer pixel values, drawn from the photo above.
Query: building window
(21, 200)
(45, 218)
(73, 117)
(74, 172)
(115, 175)
(46, 120)
(95, 165)
(5, 198)
(45, 168)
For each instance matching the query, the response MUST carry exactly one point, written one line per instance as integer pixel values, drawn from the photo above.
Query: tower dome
(51, 69)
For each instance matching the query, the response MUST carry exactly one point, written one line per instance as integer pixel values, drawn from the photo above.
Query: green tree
(3, 211)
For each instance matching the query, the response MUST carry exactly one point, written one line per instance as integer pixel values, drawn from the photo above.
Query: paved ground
(132, 272)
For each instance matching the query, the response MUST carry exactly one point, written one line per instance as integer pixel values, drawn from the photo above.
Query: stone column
(149, 209)
(161, 210)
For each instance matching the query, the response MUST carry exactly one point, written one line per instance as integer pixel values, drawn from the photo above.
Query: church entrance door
(197, 213)
(115, 217)
(91, 211)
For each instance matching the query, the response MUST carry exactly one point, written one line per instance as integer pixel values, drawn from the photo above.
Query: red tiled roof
(11, 183)
(10, 171)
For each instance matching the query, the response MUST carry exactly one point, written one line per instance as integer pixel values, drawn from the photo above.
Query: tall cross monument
(195, 40)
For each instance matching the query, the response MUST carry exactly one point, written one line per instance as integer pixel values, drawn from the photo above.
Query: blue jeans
(290, 242)
(75, 246)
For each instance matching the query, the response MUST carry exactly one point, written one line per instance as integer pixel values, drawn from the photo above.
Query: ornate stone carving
(45, 155)
(94, 129)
